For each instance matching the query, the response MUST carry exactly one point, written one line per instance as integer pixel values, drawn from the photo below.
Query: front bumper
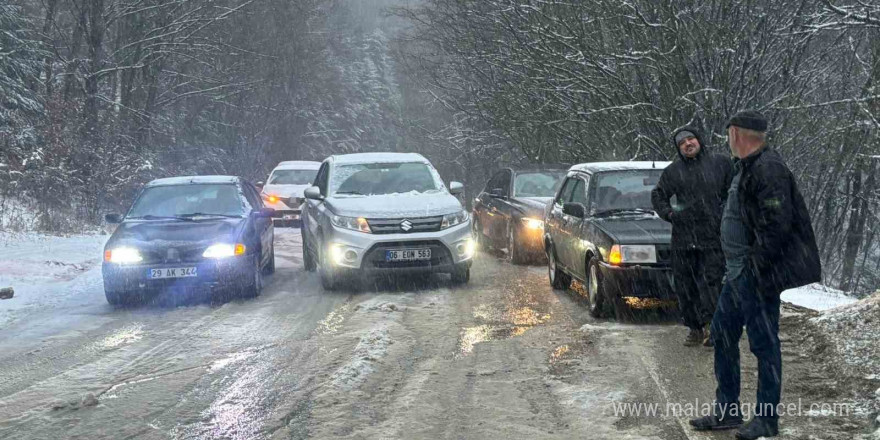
(285, 215)
(451, 249)
(531, 241)
(638, 281)
(212, 275)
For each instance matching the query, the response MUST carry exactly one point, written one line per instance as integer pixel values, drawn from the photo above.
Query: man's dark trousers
(740, 304)
(698, 274)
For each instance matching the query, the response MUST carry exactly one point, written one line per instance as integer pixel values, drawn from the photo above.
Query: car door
(314, 209)
(263, 228)
(576, 252)
(489, 211)
(497, 208)
(481, 207)
(554, 221)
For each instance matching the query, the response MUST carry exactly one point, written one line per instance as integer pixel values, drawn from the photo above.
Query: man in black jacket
(769, 246)
(699, 181)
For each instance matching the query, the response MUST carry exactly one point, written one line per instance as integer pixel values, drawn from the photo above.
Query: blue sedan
(203, 234)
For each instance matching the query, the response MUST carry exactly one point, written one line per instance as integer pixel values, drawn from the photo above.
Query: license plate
(408, 255)
(172, 272)
(290, 217)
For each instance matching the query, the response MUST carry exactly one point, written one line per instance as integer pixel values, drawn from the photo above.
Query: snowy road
(503, 357)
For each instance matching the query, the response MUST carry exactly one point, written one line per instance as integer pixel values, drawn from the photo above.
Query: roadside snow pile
(817, 297)
(854, 331)
(372, 347)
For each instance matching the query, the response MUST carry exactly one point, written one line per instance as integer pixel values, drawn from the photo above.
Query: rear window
(189, 199)
(292, 177)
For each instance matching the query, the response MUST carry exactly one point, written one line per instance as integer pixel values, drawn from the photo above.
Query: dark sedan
(602, 231)
(204, 234)
(509, 213)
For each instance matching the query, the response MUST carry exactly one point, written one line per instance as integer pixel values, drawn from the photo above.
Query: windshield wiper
(608, 212)
(207, 214)
(353, 193)
(162, 217)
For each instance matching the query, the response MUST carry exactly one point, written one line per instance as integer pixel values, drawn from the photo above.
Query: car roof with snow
(594, 167)
(196, 180)
(298, 165)
(359, 158)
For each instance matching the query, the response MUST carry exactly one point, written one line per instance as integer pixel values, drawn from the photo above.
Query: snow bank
(854, 331)
(817, 297)
(46, 270)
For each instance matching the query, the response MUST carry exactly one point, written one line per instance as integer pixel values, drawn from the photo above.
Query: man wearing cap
(769, 246)
(698, 180)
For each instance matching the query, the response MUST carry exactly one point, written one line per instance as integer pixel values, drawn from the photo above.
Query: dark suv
(601, 230)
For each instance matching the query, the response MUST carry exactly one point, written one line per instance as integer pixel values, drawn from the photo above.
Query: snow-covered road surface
(503, 357)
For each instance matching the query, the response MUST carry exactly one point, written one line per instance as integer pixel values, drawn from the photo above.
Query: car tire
(596, 289)
(461, 275)
(309, 263)
(270, 266)
(329, 279)
(254, 287)
(513, 251)
(559, 280)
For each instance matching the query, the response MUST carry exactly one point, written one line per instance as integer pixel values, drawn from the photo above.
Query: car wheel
(329, 279)
(270, 266)
(595, 289)
(255, 286)
(559, 280)
(513, 251)
(308, 259)
(461, 275)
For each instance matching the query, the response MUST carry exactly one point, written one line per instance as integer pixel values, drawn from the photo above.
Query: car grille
(173, 255)
(405, 225)
(293, 202)
(375, 257)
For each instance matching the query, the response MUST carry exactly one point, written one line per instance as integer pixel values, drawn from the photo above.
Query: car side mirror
(113, 219)
(313, 193)
(264, 212)
(260, 184)
(455, 188)
(574, 210)
(497, 193)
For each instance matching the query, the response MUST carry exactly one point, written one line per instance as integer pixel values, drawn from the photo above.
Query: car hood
(285, 190)
(394, 205)
(631, 229)
(531, 206)
(154, 234)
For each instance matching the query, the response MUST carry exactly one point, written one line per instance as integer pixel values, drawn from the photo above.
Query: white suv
(283, 192)
(384, 213)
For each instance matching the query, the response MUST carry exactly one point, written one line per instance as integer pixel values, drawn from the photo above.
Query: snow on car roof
(358, 158)
(298, 165)
(183, 180)
(592, 167)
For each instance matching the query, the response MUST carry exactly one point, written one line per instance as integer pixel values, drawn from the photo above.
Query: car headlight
(271, 198)
(224, 250)
(353, 223)
(632, 253)
(456, 218)
(123, 255)
(532, 223)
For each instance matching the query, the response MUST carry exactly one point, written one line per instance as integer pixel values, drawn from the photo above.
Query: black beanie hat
(749, 119)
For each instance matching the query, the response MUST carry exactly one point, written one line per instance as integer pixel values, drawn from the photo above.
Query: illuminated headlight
(456, 218)
(533, 223)
(123, 255)
(270, 198)
(224, 250)
(466, 248)
(342, 255)
(353, 223)
(632, 253)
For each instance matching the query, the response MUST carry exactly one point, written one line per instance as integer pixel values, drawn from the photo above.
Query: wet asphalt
(504, 356)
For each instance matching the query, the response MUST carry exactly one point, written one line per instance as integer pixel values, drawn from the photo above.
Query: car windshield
(189, 200)
(537, 184)
(625, 190)
(292, 177)
(383, 178)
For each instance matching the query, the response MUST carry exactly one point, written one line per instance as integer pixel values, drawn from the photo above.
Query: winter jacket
(700, 186)
(784, 253)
